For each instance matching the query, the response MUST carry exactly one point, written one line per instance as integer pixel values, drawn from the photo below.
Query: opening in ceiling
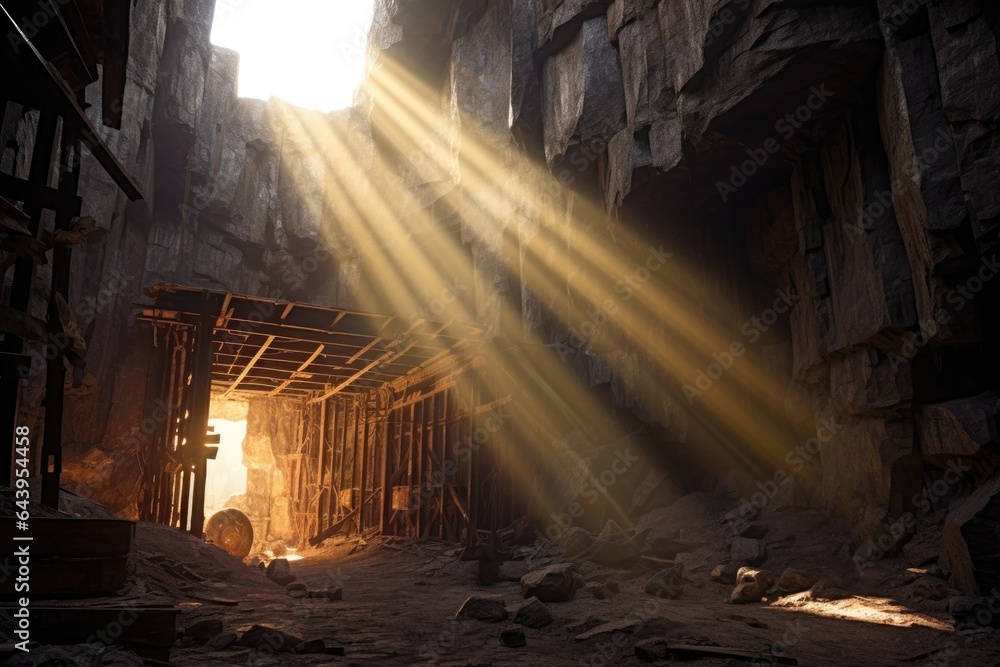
(310, 53)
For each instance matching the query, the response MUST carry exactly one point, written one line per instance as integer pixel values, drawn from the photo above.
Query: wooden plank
(74, 537)
(345, 383)
(73, 115)
(385, 507)
(250, 364)
(459, 503)
(332, 530)
(149, 631)
(300, 369)
(61, 577)
(686, 651)
(365, 430)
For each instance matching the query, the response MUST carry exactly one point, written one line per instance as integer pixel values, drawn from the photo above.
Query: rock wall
(821, 173)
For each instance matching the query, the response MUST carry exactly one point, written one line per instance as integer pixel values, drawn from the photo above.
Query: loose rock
(555, 583)
(513, 637)
(533, 614)
(482, 609)
(225, 640)
(725, 574)
(202, 631)
(751, 585)
(667, 583)
(748, 551)
(651, 650)
(258, 635)
(280, 572)
(795, 581)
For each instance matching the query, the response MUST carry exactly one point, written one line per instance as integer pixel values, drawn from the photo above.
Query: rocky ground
(625, 598)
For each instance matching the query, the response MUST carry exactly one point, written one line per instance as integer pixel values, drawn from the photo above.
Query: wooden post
(386, 504)
(55, 374)
(363, 493)
(202, 396)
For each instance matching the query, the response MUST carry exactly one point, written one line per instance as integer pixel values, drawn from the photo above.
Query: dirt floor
(400, 598)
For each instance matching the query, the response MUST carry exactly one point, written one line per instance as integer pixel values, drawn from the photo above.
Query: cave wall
(842, 154)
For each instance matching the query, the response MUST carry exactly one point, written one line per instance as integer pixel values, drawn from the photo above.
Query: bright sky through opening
(310, 53)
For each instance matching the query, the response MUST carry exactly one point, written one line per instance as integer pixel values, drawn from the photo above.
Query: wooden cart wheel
(230, 530)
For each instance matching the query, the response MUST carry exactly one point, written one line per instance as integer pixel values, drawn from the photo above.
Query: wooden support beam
(250, 364)
(348, 381)
(201, 390)
(332, 530)
(301, 368)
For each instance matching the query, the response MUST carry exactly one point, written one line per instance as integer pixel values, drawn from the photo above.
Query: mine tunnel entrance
(312, 420)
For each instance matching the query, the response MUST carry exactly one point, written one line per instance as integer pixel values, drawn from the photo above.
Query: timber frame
(48, 72)
(399, 427)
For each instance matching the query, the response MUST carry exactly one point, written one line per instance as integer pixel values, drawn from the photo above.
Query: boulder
(555, 583)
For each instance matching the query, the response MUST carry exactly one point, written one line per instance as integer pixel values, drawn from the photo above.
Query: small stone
(296, 594)
(748, 551)
(795, 581)
(555, 583)
(576, 540)
(482, 609)
(513, 637)
(296, 586)
(751, 585)
(280, 572)
(824, 589)
(599, 591)
(725, 574)
(668, 583)
(185, 642)
(651, 650)
(202, 631)
(931, 588)
(335, 593)
(225, 640)
(533, 613)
